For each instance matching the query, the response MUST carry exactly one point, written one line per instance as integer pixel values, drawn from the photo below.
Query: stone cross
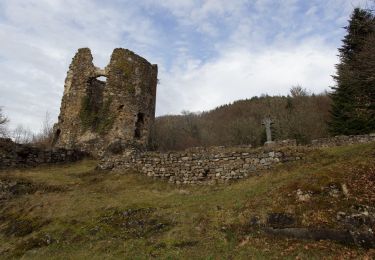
(267, 122)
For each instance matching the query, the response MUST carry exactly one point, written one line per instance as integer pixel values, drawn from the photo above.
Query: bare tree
(3, 124)
(22, 135)
(44, 137)
(298, 91)
(47, 126)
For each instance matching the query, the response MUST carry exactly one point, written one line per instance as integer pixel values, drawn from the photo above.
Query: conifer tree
(353, 96)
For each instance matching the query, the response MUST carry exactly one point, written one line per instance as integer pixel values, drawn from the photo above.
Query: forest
(300, 115)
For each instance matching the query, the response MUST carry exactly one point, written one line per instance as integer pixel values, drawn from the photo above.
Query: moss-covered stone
(96, 118)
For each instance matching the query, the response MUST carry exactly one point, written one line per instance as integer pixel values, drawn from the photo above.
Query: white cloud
(240, 74)
(202, 15)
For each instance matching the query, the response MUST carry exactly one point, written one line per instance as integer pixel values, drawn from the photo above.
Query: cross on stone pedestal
(267, 122)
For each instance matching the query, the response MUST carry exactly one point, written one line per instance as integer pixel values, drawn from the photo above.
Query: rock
(303, 196)
(184, 192)
(334, 191)
(280, 220)
(340, 216)
(255, 221)
(360, 221)
(364, 239)
(343, 237)
(345, 190)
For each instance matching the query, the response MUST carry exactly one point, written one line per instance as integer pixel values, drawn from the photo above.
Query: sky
(209, 52)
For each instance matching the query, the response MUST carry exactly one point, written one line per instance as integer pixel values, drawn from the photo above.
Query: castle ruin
(99, 116)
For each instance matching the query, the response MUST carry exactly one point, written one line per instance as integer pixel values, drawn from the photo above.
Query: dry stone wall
(343, 140)
(203, 166)
(218, 164)
(19, 155)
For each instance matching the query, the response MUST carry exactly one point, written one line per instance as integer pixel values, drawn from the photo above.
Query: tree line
(22, 134)
(300, 115)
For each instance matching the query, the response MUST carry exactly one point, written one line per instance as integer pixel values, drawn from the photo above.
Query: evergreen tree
(353, 96)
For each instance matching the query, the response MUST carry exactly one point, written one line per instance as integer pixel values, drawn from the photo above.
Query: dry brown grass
(76, 212)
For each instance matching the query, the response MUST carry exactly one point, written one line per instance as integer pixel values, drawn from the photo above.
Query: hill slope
(303, 117)
(74, 211)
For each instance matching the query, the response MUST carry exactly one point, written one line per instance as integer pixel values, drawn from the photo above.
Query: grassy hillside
(74, 211)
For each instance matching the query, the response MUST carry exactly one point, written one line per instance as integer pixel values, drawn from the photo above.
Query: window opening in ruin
(139, 125)
(120, 107)
(102, 78)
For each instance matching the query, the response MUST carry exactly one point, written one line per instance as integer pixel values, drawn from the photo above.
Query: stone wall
(218, 164)
(19, 155)
(343, 140)
(203, 166)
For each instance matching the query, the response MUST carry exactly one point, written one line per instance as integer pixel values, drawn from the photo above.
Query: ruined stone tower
(107, 116)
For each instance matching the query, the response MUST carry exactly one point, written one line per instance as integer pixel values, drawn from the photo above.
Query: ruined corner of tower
(107, 109)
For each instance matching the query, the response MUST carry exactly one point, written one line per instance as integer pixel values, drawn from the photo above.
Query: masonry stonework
(203, 165)
(218, 164)
(23, 155)
(343, 140)
(95, 115)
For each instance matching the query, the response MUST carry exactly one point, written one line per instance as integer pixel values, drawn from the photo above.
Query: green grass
(76, 212)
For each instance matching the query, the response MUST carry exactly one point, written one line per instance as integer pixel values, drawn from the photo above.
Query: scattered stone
(345, 190)
(278, 220)
(334, 190)
(365, 239)
(184, 192)
(360, 221)
(303, 196)
(255, 221)
(340, 215)
(313, 234)
(361, 216)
